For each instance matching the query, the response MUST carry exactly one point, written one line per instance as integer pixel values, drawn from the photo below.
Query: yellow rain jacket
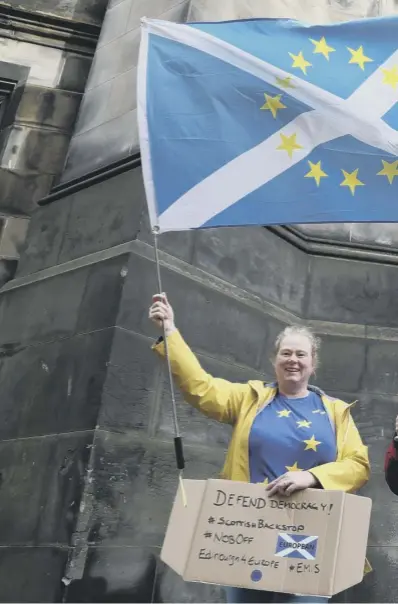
(238, 405)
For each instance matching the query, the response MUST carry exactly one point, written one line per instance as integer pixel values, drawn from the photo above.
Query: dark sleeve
(391, 467)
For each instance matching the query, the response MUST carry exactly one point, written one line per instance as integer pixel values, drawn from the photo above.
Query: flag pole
(178, 448)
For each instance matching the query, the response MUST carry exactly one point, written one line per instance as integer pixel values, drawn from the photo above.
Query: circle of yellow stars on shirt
(294, 468)
(284, 413)
(303, 423)
(289, 141)
(311, 444)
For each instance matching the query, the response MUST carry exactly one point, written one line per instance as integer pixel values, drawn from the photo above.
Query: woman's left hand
(289, 483)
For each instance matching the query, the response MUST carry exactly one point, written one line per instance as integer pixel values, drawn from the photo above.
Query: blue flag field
(266, 121)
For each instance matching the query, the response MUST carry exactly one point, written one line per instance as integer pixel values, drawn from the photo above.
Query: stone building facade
(86, 453)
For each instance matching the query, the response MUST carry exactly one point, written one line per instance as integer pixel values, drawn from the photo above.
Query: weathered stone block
(7, 270)
(41, 311)
(33, 150)
(382, 367)
(45, 562)
(374, 415)
(43, 63)
(352, 292)
(115, 22)
(252, 258)
(20, 191)
(168, 10)
(132, 384)
(91, 220)
(44, 238)
(53, 388)
(169, 587)
(89, 11)
(103, 216)
(379, 585)
(102, 294)
(48, 107)
(211, 321)
(117, 54)
(41, 486)
(13, 234)
(84, 11)
(94, 108)
(342, 364)
(101, 146)
(123, 94)
(121, 574)
(384, 525)
(77, 301)
(135, 485)
(104, 66)
(375, 418)
(128, 51)
(75, 73)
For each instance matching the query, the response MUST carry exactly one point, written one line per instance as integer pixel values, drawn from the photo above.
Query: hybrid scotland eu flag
(269, 121)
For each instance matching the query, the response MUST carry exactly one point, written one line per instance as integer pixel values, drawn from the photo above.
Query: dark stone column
(47, 49)
(55, 343)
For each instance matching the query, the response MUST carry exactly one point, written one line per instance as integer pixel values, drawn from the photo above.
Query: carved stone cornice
(315, 246)
(47, 30)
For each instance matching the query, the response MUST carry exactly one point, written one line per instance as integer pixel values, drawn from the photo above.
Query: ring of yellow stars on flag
(390, 76)
(300, 62)
(285, 82)
(290, 144)
(390, 170)
(351, 180)
(316, 172)
(358, 57)
(322, 47)
(273, 104)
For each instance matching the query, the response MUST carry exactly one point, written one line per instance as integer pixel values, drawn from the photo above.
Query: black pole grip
(179, 452)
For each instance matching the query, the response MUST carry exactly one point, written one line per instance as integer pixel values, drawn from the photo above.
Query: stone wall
(107, 127)
(46, 49)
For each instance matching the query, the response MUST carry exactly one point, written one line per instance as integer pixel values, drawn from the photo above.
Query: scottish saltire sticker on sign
(269, 122)
(296, 546)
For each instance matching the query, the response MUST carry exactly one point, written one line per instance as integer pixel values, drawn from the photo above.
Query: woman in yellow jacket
(288, 435)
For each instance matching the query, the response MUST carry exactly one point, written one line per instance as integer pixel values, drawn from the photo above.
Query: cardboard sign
(232, 533)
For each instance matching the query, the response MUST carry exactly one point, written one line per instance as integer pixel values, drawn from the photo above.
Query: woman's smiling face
(294, 363)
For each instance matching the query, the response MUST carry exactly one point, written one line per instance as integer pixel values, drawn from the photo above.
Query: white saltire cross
(289, 550)
(332, 117)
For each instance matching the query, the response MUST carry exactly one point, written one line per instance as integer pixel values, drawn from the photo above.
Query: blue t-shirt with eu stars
(290, 434)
